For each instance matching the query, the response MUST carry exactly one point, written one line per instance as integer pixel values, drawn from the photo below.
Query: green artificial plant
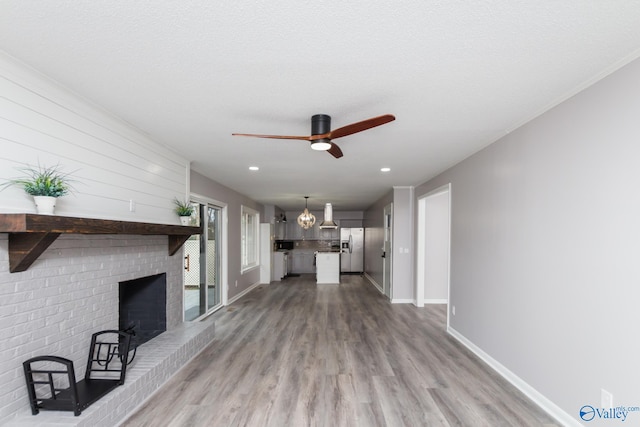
(43, 181)
(183, 208)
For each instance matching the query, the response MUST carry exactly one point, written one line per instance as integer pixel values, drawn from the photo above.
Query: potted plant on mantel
(45, 184)
(184, 211)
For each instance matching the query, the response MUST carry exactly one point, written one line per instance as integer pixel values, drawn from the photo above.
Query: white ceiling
(458, 75)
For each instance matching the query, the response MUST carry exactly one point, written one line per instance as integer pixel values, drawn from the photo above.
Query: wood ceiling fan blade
(319, 136)
(335, 151)
(302, 138)
(360, 126)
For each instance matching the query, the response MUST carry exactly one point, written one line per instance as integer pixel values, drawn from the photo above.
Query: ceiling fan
(321, 134)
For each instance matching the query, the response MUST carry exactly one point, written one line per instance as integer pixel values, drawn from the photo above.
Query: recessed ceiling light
(254, 168)
(385, 169)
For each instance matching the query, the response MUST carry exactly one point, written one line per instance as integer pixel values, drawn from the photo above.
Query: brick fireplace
(71, 291)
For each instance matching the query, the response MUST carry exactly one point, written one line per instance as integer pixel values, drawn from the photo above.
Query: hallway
(295, 354)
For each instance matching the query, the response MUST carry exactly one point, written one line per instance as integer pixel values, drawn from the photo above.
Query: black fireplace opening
(143, 307)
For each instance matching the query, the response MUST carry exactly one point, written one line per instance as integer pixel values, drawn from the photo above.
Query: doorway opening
(387, 251)
(434, 245)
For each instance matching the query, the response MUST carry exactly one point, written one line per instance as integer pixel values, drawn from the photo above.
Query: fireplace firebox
(143, 307)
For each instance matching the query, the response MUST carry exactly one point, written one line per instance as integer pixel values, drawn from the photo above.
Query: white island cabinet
(327, 267)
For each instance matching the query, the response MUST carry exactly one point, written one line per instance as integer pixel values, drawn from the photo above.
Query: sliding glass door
(213, 256)
(203, 263)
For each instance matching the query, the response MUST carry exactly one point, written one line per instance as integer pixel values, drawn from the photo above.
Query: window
(249, 230)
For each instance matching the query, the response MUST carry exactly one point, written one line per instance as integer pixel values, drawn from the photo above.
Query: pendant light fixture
(306, 219)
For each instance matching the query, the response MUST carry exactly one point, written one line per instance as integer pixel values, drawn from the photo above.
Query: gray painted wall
(206, 187)
(402, 242)
(403, 237)
(545, 246)
(374, 238)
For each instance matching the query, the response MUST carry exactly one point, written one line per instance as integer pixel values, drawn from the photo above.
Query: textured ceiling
(457, 75)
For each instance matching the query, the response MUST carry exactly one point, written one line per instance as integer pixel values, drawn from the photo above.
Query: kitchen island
(327, 267)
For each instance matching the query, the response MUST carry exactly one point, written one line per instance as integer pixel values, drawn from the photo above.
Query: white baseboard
(374, 283)
(547, 405)
(435, 301)
(403, 301)
(243, 293)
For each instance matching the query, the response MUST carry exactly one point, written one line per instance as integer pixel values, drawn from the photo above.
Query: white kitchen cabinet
(303, 234)
(280, 230)
(313, 233)
(294, 231)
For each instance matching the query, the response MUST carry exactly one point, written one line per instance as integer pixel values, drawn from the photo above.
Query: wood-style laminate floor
(294, 353)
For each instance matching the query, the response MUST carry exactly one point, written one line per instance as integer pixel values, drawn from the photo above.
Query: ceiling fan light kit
(321, 134)
(320, 144)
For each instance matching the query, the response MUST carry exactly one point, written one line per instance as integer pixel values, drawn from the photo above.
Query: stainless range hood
(328, 217)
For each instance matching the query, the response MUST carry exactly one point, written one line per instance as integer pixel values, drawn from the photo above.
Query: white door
(387, 251)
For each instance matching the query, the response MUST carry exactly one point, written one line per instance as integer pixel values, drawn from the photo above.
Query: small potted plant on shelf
(45, 184)
(184, 211)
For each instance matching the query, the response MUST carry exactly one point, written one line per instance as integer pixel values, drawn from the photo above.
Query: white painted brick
(69, 293)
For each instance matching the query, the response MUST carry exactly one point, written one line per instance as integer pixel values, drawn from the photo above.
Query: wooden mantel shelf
(30, 234)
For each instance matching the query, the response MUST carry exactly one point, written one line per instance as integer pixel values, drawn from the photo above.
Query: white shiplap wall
(72, 289)
(112, 162)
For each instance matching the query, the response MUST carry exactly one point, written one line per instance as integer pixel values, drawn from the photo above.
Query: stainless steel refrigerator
(352, 250)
